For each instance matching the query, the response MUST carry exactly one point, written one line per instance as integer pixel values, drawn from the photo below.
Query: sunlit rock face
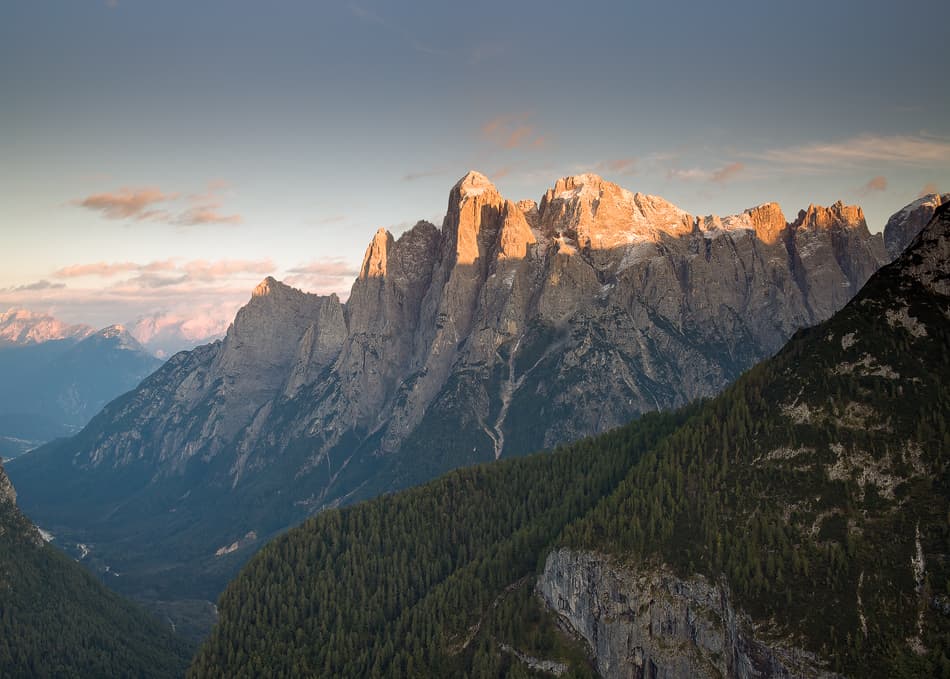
(513, 326)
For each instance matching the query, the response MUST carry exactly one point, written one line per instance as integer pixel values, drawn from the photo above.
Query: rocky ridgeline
(513, 327)
(21, 327)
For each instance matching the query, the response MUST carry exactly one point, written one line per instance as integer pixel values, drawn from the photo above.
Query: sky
(160, 158)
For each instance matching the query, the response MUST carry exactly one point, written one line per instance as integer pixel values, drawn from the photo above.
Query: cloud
(928, 189)
(720, 175)
(512, 131)
(205, 270)
(153, 204)
(875, 185)
(162, 273)
(103, 269)
(688, 175)
(38, 285)
(724, 174)
(127, 203)
(908, 150)
(206, 214)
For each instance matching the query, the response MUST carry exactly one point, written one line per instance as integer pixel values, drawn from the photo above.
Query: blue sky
(165, 156)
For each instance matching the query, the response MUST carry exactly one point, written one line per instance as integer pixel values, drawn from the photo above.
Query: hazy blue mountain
(52, 388)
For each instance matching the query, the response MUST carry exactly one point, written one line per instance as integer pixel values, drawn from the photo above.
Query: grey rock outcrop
(653, 624)
(904, 225)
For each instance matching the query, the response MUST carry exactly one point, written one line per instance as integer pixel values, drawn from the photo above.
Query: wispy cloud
(160, 273)
(720, 175)
(127, 203)
(875, 185)
(726, 173)
(907, 150)
(687, 174)
(34, 287)
(206, 214)
(153, 204)
(513, 131)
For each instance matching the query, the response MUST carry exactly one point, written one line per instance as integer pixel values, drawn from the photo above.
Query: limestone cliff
(651, 623)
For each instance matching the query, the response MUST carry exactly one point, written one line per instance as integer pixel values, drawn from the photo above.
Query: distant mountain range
(514, 327)
(794, 526)
(54, 378)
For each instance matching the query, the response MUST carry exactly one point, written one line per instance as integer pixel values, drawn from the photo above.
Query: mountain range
(795, 525)
(56, 377)
(513, 327)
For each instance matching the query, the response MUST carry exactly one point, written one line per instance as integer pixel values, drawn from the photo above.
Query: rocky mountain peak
(377, 253)
(118, 336)
(473, 184)
(473, 220)
(21, 326)
(768, 221)
(838, 215)
(907, 223)
(266, 287)
(602, 215)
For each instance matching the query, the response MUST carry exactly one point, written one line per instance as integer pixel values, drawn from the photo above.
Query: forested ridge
(398, 586)
(57, 620)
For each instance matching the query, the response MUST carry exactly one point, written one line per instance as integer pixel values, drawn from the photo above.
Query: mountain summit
(513, 327)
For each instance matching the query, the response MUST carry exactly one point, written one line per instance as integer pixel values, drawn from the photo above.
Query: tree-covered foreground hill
(57, 620)
(815, 489)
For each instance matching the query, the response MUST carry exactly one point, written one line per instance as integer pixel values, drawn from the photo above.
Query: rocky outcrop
(651, 623)
(904, 225)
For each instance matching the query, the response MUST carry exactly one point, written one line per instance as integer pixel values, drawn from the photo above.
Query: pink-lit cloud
(206, 214)
(726, 173)
(928, 189)
(153, 204)
(35, 286)
(875, 185)
(906, 150)
(512, 132)
(719, 175)
(127, 203)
